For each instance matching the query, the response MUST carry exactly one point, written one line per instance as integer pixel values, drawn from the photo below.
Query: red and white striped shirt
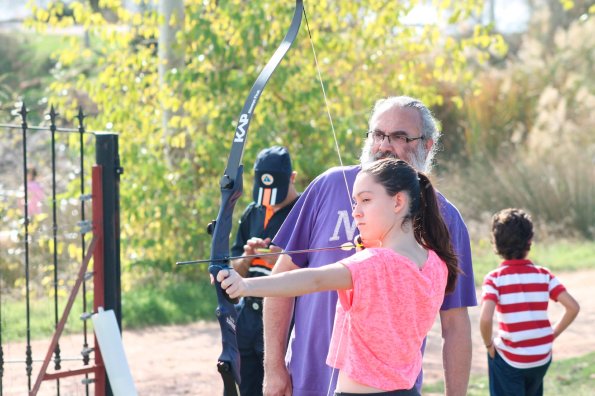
(521, 292)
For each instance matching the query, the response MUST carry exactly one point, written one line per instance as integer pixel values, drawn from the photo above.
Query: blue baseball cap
(272, 175)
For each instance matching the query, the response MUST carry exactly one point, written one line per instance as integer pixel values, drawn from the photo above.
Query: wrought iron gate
(47, 242)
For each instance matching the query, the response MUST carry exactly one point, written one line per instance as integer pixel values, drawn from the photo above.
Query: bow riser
(228, 363)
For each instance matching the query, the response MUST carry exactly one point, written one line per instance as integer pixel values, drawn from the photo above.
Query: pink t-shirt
(380, 324)
(35, 197)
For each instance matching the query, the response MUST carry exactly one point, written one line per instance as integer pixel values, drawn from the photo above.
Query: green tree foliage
(24, 71)
(528, 130)
(365, 49)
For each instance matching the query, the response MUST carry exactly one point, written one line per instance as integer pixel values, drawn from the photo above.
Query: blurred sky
(17, 9)
(511, 16)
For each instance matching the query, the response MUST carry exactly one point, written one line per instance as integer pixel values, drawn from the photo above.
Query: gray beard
(418, 159)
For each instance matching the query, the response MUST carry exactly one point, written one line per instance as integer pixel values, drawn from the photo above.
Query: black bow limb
(231, 189)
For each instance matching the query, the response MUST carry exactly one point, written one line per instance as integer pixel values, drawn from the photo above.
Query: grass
(558, 256)
(41, 319)
(169, 300)
(163, 301)
(172, 299)
(570, 376)
(28, 59)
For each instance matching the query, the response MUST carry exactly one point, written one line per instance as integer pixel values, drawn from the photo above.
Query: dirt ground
(180, 360)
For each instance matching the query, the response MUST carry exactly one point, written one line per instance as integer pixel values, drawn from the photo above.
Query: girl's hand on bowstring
(358, 243)
(233, 284)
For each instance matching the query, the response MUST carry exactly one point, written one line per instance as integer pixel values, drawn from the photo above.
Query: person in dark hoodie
(274, 195)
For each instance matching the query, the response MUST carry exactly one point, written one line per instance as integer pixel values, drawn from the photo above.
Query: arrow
(346, 246)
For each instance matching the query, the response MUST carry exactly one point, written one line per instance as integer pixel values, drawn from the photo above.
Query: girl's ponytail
(429, 228)
(431, 231)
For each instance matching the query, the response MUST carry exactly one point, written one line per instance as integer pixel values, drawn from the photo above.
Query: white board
(112, 352)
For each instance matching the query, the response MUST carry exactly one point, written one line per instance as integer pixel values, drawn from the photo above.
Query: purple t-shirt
(322, 218)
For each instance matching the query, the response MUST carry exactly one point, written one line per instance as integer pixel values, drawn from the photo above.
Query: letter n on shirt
(343, 221)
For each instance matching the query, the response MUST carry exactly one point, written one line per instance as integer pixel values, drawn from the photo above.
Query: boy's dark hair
(512, 232)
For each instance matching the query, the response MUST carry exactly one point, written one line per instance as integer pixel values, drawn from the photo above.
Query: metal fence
(55, 220)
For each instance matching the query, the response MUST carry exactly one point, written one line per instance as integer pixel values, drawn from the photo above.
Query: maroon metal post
(98, 271)
(95, 251)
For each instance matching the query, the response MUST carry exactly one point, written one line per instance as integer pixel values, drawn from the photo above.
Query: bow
(231, 189)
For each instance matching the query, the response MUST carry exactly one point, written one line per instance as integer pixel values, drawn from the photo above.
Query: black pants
(506, 380)
(409, 392)
(250, 343)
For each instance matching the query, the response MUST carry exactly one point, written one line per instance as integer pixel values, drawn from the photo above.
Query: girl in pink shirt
(389, 293)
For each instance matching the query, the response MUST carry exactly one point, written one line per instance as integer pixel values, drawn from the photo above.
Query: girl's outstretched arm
(287, 284)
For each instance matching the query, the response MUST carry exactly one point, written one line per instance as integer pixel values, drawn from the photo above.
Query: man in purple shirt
(400, 127)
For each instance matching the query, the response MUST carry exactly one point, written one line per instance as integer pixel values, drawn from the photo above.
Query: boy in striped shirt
(519, 291)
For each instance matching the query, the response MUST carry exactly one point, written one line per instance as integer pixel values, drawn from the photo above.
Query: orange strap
(268, 214)
(266, 197)
(261, 263)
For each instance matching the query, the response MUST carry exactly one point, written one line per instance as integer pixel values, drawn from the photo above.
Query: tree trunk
(171, 56)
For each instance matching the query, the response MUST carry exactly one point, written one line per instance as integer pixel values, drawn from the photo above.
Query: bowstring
(345, 318)
(326, 103)
(328, 112)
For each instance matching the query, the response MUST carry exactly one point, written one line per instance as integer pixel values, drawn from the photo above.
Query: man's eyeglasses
(378, 137)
